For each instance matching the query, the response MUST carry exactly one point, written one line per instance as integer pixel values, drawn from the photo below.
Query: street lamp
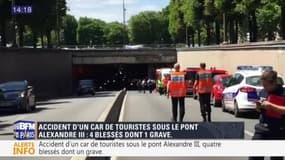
(124, 22)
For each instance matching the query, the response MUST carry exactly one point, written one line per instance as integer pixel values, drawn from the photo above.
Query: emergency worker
(203, 85)
(176, 89)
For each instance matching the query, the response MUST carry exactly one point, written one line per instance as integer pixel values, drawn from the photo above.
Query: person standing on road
(150, 85)
(139, 82)
(271, 124)
(204, 84)
(176, 89)
(164, 83)
(159, 86)
(144, 85)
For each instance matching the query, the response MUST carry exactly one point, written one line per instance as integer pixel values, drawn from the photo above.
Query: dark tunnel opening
(112, 77)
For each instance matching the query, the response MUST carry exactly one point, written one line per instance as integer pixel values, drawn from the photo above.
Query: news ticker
(141, 148)
(31, 130)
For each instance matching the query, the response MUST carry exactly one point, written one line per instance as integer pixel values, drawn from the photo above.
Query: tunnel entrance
(109, 77)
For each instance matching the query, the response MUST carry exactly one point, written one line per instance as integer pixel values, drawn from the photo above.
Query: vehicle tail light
(247, 89)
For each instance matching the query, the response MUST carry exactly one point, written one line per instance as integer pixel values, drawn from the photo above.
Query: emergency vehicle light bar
(254, 68)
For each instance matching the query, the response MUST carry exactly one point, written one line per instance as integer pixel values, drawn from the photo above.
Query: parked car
(216, 71)
(18, 95)
(86, 87)
(219, 85)
(242, 91)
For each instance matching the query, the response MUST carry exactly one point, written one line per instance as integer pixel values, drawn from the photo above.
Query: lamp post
(57, 24)
(124, 22)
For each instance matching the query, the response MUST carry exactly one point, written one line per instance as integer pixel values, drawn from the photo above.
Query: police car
(243, 89)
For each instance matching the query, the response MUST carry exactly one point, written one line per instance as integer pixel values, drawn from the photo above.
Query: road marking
(102, 118)
(248, 133)
(121, 118)
(105, 113)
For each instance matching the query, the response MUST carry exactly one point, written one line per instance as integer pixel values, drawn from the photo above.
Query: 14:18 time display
(22, 9)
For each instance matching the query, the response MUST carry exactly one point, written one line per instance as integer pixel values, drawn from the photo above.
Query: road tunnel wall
(232, 57)
(49, 71)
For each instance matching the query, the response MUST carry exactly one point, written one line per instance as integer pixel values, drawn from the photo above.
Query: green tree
(187, 9)
(249, 8)
(268, 18)
(166, 39)
(28, 37)
(116, 34)
(47, 16)
(210, 14)
(225, 9)
(70, 30)
(198, 15)
(4, 18)
(282, 21)
(148, 27)
(176, 21)
(90, 31)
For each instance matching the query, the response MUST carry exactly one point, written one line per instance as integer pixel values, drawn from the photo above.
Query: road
(84, 108)
(138, 107)
(153, 107)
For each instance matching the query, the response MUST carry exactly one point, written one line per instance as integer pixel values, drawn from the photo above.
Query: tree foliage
(90, 31)
(148, 28)
(116, 34)
(70, 30)
(191, 22)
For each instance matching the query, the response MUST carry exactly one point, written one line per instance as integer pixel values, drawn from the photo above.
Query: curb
(110, 114)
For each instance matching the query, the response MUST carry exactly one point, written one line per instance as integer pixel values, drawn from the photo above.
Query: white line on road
(121, 118)
(100, 119)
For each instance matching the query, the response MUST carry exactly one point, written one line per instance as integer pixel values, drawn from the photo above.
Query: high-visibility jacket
(278, 100)
(177, 84)
(205, 82)
(159, 83)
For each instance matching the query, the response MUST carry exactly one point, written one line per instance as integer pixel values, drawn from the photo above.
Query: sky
(112, 10)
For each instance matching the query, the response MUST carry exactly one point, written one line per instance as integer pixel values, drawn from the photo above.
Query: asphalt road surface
(138, 107)
(153, 107)
(85, 108)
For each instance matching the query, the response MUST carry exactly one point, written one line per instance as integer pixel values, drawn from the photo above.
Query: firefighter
(204, 84)
(271, 124)
(176, 89)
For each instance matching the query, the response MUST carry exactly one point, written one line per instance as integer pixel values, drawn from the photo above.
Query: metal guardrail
(179, 46)
(252, 45)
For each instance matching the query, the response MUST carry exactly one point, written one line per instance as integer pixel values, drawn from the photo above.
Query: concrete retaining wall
(49, 71)
(230, 58)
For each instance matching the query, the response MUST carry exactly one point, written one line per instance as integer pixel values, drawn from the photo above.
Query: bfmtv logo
(24, 130)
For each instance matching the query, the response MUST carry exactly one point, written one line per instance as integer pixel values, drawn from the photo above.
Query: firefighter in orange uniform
(204, 84)
(271, 124)
(176, 89)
